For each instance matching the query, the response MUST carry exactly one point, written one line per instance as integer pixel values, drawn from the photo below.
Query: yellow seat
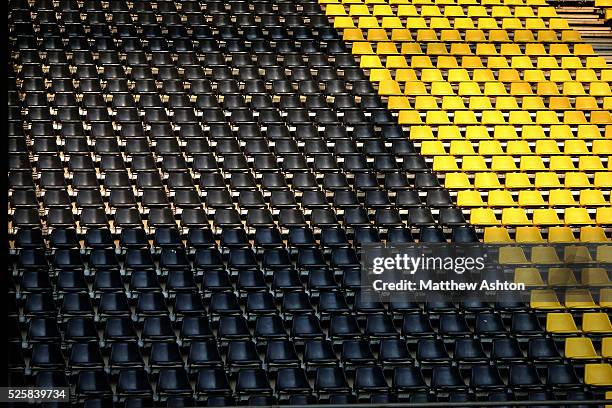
(497, 62)
(574, 117)
(335, 10)
(382, 10)
(469, 198)
(579, 299)
(380, 74)
(559, 49)
(545, 216)
(532, 132)
(511, 255)
(596, 323)
(407, 10)
(602, 147)
(547, 63)
(599, 88)
(479, 102)
(546, 147)
(520, 88)
(487, 181)
(458, 75)
(389, 87)
(401, 35)
(359, 10)
(580, 348)
(547, 88)
(377, 34)
(547, 180)
(559, 24)
(370, 61)
(530, 277)
(430, 11)
(592, 234)
(590, 163)
(433, 148)
(530, 198)
(534, 75)
(528, 235)
(471, 62)
(603, 216)
(367, 22)
(560, 323)
(534, 48)
(452, 103)
(465, 23)
(495, 88)
(577, 180)
(496, 235)
(396, 62)
(577, 216)
(457, 181)
(439, 23)
(459, 48)
(518, 148)
(561, 276)
(518, 181)
(560, 75)
(534, 24)
(515, 216)
(604, 254)
(546, 299)
(410, 48)
(596, 62)
(447, 62)
(503, 164)
(343, 22)
(415, 88)
(603, 117)
(588, 132)
(583, 49)
(603, 180)
(500, 198)
(561, 132)
(410, 117)
(547, 36)
(595, 277)
(473, 163)
(461, 148)
(561, 198)
(398, 103)
(362, 48)
(421, 61)
(521, 62)
(498, 36)
(592, 198)
(560, 234)
(599, 375)
(386, 48)
(561, 164)
(469, 88)
(433, 117)
(405, 75)
(586, 75)
(449, 132)
(511, 24)
(573, 88)
(486, 49)
(426, 35)
(480, 133)
(493, 117)
(353, 34)
(577, 254)
(532, 163)
(533, 103)
(483, 216)
(544, 255)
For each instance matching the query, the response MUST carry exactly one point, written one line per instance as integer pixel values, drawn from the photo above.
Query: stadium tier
(190, 183)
